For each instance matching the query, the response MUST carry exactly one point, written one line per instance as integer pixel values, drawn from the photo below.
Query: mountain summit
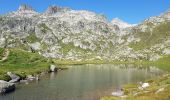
(55, 9)
(121, 24)
(166, 14)
(25, 7)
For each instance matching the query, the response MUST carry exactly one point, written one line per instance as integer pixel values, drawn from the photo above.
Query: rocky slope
(151, 38)
(64, 33)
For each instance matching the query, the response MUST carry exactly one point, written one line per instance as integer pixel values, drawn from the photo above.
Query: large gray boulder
(14, 78)
(6, 87)
(53, 68)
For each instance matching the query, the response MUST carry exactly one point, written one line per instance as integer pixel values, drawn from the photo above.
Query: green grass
(1, 52)
(150, 38)
(23, 63)
(32, 38)
(163, 63)
(70, 46)
(155, 85)
(44, 27)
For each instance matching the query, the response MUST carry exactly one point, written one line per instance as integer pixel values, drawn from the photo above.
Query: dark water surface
(82, 82)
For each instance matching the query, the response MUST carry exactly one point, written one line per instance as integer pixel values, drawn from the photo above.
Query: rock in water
(53, 68)
(6, 87)
(14, 78)
(118, 93)
(31, 78)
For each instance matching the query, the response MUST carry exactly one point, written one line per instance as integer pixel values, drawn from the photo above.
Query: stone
(145, 85)
(31, 78)
(118, 93)
(160, 90)
(35, 46)
(6, 87)
(14, 78)
(53, 68)
(140, 88)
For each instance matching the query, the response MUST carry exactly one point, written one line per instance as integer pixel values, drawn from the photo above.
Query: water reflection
(83, 82)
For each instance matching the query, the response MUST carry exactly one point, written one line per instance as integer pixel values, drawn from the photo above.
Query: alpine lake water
(83, 82)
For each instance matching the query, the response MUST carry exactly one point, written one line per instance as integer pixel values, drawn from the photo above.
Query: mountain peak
(23, 10)
(25, 7)
(166, 14)
(121, 24)
(54, 9)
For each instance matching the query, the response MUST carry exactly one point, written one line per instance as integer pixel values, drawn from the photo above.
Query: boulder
(31, 78)
(53, 68)
(14, 78)
(6, 87)
(35, 46)
(145, 85)
(160, 90)
(118, 93)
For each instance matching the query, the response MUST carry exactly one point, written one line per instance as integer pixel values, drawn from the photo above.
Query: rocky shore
(6, 87)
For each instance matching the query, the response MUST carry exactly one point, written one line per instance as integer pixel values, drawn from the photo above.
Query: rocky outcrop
(6, 87)
(14, 78)
(25, 7)
(56, 9)
(53, 68)
(64, 33)
(166, 14)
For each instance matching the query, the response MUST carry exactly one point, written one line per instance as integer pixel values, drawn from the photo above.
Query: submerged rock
(118, 93)
(24, 81)
(6, 87)
(31, 78)
(14, 78)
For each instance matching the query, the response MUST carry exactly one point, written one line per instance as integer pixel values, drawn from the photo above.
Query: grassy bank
(159, 89)
(23, 63)
(132, 91)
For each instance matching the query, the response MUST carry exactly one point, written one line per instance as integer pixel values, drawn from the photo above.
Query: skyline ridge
(130, 11)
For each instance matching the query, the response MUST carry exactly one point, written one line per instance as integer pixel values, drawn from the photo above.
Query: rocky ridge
(64, 33)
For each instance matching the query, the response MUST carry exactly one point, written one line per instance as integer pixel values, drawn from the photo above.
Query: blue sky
(132, 11)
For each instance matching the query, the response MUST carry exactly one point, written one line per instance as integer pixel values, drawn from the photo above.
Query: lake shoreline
(107, 71)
